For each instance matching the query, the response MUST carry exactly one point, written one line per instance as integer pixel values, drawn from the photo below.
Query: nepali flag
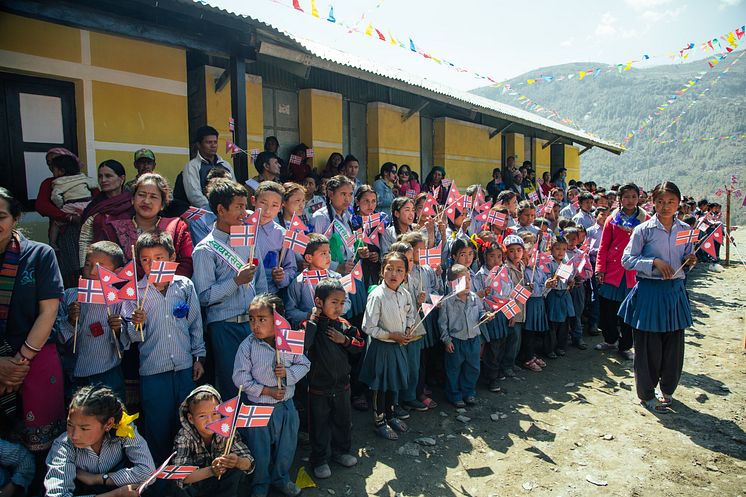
(107, 279)
(453, 194)
(297, 224)
(498, 277)
(456, 206)
(427, 309)
(252, 218)
(313, 277)
(309, 152)
(564, 271)
(370, 222)
(221, 427)
(176, 472)
(717, 235)
(290, 341)
(430, 257)
(495, 303)
(510, 309)
(90, 292)
(193, 213)
(296, 241)
(128, 274)
(280, 322)
(687, 236)
(520, 293)
(709, 247)
(540, 260)
(429, 208)
(162, 272)
(295, 160)
(253, 416)
(243, 235)
(357, 271)
(228, 408)
(231, 148)
(348, 283)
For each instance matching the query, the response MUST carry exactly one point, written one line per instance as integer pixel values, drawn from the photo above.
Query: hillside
(613, 104)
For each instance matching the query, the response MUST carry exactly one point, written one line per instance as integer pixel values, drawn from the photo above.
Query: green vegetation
(613, 104)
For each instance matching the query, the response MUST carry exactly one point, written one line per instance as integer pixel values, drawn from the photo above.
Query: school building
(106, 78)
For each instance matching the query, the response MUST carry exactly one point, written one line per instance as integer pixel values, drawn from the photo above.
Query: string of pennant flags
(737, 136)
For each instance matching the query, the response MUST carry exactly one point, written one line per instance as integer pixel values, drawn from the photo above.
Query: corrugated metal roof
(312, 53)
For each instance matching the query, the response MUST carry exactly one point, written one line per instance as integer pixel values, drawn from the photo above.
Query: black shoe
(494, 386)
(580, 344)
(400, 412)
(470, 401)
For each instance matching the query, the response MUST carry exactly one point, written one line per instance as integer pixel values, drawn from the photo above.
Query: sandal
(654, 406)
(360, 403)
(663, 399)
(430, 403)
(398, 425)
(385, 431)
(540, 362)
(532, 366)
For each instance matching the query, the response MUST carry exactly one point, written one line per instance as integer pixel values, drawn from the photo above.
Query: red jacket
(614, 240)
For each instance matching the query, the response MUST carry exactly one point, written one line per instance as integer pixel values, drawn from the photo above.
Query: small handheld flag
(243, 235)
(495, 303)
(309, 152)
(253, 416)
(431, 257)
(154, 475)
(176, 472)
(313, 277)
(90, 292)
(107, 279)
(296, 241)
(297, 224)
(564, 272)
(291, 341)
(193, 213)
(348, 283)
(128, 274)
(459, 285)
(357, 271)
(429, 208)
(280, 322)
(520, 294)
(295, 160)
(162, 272)
(228, 408)
(221, 427)
(687, 236)
(510, 309)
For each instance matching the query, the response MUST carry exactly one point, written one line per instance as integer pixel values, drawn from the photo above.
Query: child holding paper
(560, 311)
(172, 350)
(339, 198)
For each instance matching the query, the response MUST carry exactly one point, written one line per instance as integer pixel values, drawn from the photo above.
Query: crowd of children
(392, 305)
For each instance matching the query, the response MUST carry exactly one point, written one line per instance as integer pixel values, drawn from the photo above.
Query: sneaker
(415, 405)
(501, 376)
(398, 425)
(494, 386)
(459, 404)
(510, 373)
(580, 344)
(290, 489)
(322, 472)
(627, 354)
(470, 400)
(605, 346)
(561, 352)
(400, 412)
(346, 460)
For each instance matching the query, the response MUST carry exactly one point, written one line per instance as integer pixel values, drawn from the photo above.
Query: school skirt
(495, 329)
(614, 293)
(385, 367)
(536, 315)
(432, 335)
(559, 306)
(657, 306)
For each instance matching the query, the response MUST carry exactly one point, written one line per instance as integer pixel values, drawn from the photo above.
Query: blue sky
(505, 39)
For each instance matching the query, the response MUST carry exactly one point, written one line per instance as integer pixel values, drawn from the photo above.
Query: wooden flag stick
(282, 256)
(488, 316)
(696, 249)
(116, 341)
(229, 443)
(277, 351)
(75, 336)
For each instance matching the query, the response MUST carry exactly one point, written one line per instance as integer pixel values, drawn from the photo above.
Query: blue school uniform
(655, 304)
(96, 359)
(497, 328)
(299, 300)
(321, 221)
(269, 240)
(424, 278)
(558, 301)
(170, 342)
(536, 311)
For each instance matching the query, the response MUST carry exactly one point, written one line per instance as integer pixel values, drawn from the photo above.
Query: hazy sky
(505, 39)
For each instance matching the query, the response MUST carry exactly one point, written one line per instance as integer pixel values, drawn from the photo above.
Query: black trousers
(493, 352)
(528, 346)
(613, 327)
(556, 337)
(228, 485)
(330, 424)
(659, 359)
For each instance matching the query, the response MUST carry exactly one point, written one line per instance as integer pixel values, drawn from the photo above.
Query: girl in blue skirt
(491, 256)
(560, 311)
(657, 308)
(536, 319)
(389, 316)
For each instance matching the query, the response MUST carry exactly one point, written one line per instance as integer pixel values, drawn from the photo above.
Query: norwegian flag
(493, 217)
(410, 193)
(468, 202)
(533, 197)
(228, 408)
(155, 474)
(309, 152)
(431, 257)
(193, 213)
(254, 154)
(313, 277)
(253, 416)
(176, 472)
(295, 160)
(243, 235)
(107, 279)
(495, 303)
(370, 222)
(296, 241)
(459, 285)
(297, 224)
(90, 292)
(564, 271)
(520, 293)
(687, 236)
(280, 322)
(357, 271)
(580, 261)
(162, 272)
(348, 283)
(290, 341)
(221, 427)
(498, 277)
(429, 208)
(128, 274)
(510, 309)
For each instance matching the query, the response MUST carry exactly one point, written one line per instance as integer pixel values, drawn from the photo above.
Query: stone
(462, 418)
(428, 441)
(460, 410)
(409, 449)
(495, 417)
(595, 481)
(503, 416)
(608, 436)
(444, 414)
(569, 385)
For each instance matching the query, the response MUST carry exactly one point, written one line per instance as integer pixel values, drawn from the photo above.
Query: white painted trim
(391, 151)
(325, 144)
(468, 158)
(75, 70)
(323, 93)
(85, 47)
(459, 122)
(90, 148)
(134, 147)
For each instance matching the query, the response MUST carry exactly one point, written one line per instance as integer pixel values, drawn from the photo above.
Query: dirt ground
(576, 428)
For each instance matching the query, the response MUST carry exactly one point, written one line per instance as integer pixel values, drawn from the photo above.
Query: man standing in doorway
(195, 172)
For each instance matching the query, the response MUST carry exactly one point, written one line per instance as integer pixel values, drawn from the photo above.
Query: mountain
(613, 104)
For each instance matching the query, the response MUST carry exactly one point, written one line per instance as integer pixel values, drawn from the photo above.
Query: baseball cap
(513, 240)
(144, 153)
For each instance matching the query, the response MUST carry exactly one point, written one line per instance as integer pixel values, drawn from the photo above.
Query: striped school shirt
(17, 458)
(64, 459)
(299, 300)
(650, 241)
(213, 280)
(93, 354)
(269, 238)
(388, 311)
(254, 368)
(171, 343)
(458, 319)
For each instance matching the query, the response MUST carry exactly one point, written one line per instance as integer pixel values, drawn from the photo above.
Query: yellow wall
(219, 112)
(465, 150)
(320, 123)
(572, 163)
(514, 146)
(29, 36)
(390, 139)
(542, 157)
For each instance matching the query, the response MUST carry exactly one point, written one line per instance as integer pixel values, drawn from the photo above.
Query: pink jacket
(614, 240)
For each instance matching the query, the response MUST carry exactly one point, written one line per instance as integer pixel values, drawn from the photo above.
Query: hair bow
(124, 427)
